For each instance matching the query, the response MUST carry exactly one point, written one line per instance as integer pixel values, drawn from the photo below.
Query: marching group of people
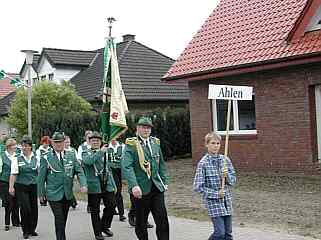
(48, 175)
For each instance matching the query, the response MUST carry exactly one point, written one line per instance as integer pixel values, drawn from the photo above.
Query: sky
(166, 26)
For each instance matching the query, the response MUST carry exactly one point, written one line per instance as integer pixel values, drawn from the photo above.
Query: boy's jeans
(222, 228)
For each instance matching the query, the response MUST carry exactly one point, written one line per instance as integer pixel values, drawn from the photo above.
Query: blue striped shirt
(207, 182)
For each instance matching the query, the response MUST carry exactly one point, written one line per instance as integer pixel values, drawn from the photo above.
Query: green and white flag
(113, 116)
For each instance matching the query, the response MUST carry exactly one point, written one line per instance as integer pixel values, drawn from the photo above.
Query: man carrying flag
(101, 185)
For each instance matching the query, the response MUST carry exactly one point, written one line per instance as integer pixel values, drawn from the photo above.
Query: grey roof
(5, 103)
(68, 57)
(141, 69)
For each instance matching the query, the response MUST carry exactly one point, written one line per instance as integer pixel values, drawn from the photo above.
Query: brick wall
(285, 119)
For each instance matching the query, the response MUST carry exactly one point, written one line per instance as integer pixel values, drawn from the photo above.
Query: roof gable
(141, 69)
(241, 33)
(5, 86)
(305, 21)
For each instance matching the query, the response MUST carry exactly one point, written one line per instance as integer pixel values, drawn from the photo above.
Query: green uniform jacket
(28, 172)
(56, 180)
(133, 172)
(115, 157)
(93, 164)
(6, 168)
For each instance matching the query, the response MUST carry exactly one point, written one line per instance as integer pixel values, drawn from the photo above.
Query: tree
(54, 107)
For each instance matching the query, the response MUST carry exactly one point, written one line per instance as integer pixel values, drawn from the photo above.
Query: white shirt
(147, 144)
(15, 165)
(58, 155)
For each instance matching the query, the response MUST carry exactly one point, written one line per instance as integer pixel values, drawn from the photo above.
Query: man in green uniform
(144, 168)
(101, 186)
(57, 170)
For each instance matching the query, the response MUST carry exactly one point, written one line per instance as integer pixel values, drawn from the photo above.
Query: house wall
(285, 119)
(60, 73)
(64, 74)
(24, 74)
(45, 68)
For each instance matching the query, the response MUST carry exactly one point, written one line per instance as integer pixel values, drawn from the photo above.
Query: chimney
(128, 37)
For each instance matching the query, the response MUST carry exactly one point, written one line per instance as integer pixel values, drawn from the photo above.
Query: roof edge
(248, 68)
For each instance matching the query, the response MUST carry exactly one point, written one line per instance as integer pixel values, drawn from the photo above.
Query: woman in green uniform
(23, 184)
(10, 202)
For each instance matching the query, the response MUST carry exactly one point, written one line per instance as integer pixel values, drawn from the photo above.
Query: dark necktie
(61, 159)
(148, 147)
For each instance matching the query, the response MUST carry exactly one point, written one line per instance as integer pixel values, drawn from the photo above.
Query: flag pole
(106, 109)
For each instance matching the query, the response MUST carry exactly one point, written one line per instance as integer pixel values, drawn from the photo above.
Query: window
(315, 22)
(242, 119)
(43, 77)
(50, 76)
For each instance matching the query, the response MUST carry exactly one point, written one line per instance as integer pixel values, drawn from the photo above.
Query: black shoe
(99, 237)
(6, 228)
(108, 232)
(34, 234)
(149, 225)
(131, 221)
(25, 236)
(122, 218)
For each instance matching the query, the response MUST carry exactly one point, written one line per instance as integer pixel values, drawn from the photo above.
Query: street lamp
(29, 59)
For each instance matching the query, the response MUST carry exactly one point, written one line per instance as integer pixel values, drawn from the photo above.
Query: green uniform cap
(145, 121)
(58, 137)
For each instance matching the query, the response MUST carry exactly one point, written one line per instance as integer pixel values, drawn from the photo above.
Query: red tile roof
(243, 32)
(5, 87)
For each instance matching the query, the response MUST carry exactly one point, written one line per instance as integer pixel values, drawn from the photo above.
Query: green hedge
(171, 126)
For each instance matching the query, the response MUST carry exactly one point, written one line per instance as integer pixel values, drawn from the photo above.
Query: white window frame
(314, 22)
(236, 130)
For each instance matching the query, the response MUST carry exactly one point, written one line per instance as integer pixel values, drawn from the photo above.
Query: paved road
(79, 228)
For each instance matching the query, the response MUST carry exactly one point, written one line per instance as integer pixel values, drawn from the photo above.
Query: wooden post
(226, 144)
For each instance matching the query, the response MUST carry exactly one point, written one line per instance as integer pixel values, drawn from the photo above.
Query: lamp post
(29, 59)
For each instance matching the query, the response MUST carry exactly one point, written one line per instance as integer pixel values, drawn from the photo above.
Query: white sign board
(229, 92)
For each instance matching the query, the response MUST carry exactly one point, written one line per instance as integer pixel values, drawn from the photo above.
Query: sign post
(228, 92)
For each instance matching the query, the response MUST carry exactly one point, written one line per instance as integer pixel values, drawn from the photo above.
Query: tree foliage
(54, 107)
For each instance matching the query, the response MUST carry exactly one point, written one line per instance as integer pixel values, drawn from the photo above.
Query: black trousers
(60, 211)
(132, 210)
(94, 200)
(119, 198)
(10, 204)
(28, 203)
(153, 202)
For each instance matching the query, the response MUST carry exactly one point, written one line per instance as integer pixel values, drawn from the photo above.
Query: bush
(171, 126)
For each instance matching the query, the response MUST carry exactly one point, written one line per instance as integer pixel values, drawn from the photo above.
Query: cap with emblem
(95, 134)
(58, 137)
(145, 121)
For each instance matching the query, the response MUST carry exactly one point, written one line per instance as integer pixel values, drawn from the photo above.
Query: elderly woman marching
(210, 171)
(23, 184)
(10, 202)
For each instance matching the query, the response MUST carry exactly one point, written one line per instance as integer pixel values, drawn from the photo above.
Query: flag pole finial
(110, 21)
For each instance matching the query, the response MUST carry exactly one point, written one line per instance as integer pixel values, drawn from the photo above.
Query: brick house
(274, 46)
